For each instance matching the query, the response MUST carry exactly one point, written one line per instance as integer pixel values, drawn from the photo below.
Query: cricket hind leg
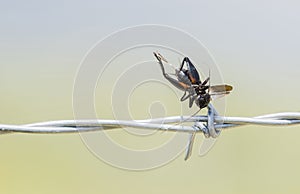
(168, 77)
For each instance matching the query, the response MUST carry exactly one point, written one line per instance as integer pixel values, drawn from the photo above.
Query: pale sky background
(255, 43)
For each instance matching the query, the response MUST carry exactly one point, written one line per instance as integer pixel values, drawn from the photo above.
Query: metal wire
(209, 125)
(182, 124)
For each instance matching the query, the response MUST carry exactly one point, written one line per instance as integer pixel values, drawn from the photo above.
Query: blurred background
(254, 43)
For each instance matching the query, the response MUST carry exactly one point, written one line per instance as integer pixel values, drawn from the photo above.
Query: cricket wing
(219, 91)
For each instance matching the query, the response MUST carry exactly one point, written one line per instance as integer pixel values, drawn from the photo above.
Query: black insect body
(188, 80)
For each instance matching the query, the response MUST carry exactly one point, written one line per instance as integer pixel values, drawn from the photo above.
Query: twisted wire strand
(209, 125)
(164, 124)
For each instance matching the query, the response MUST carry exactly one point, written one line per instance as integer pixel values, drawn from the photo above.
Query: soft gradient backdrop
(256, 44)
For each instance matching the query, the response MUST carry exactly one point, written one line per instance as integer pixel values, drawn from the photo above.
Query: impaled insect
(188, 80)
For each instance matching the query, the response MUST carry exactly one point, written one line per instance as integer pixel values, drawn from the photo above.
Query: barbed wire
(209, 125)
(164, 124)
